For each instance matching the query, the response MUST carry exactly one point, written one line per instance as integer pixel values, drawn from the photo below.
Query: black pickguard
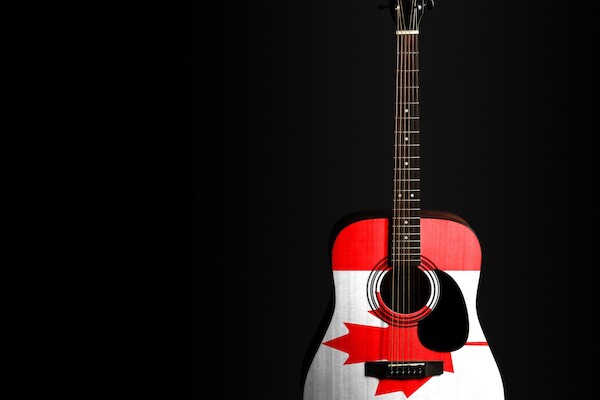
(446, 328)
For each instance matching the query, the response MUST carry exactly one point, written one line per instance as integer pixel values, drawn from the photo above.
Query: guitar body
(446, 328)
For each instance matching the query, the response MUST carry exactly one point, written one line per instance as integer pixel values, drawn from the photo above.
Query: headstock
(407, 14)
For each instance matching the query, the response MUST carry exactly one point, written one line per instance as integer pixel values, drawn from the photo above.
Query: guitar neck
(405, 232)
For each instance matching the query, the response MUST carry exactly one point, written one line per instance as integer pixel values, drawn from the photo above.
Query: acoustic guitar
(403, 321)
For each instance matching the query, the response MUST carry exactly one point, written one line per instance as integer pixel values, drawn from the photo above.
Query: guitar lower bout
(379, 342)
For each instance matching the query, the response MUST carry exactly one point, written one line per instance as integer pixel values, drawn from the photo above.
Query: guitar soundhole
(405, 292)
(403, 297)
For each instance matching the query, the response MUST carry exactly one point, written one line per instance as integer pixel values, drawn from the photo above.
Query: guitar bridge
(403, 370)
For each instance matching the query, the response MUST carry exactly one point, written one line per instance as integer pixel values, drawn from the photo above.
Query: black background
(172, 173)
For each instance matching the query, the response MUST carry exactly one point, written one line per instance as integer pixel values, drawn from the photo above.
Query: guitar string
(417, 148)
(416, 152)
(407, 185)
(412, 88)
(397, 194)
(410, 152)
(409, 93)
(404, 147)
(403, 184)
(404, 192)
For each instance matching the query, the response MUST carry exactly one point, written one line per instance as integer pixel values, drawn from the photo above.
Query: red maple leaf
(370, 343)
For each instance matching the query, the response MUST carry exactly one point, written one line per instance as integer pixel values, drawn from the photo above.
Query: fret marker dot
(405, 162)
(406, 110)
(400, 195)
(412, 195)
(405, 222)
(405, 237)
(406, 138)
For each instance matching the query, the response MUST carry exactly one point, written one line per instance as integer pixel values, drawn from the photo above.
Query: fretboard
(406, 223)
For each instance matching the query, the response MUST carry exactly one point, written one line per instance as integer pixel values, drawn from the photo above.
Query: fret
(406, 87)
(414, 135)
(407, 127)
(412, 184)
(403, 165)
(397, 206)
(405, 211)
(405, 173)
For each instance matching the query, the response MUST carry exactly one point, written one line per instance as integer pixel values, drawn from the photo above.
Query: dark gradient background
(171, 173)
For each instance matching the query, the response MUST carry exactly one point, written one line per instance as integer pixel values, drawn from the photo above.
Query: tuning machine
(427, 3)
